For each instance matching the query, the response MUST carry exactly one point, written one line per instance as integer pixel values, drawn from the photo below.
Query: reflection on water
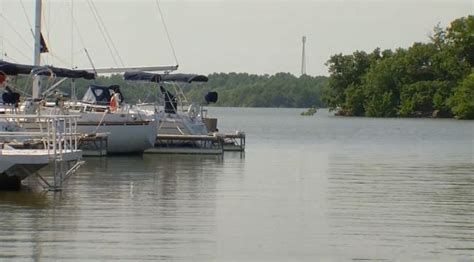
(127, 206)
(401, 206)
(307, 189)
(25, 198)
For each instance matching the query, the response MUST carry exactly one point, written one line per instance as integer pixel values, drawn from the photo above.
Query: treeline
(246, 90)
(434, 79)
(234, 89)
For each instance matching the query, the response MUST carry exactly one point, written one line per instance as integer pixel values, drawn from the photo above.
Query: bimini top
(150, 77)
(19, 69)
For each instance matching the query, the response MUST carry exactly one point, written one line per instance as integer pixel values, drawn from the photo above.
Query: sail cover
(68, 73)
(15, 69)
(188, 78)
(142, 76)
(150, 77)
(19, 69)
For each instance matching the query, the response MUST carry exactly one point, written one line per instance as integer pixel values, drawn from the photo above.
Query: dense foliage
(244, 90)
(427, 79)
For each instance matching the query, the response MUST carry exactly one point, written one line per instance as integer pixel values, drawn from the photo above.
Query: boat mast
(37, 49)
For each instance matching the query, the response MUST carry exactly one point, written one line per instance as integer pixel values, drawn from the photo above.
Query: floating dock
(188, 144)
(214, 144)
(234, 142)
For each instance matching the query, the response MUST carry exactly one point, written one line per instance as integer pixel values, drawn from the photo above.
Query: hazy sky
(222, 36)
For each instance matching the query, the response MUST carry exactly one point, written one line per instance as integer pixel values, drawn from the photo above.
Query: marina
(104, 123)
(113, 149)
(95, 128)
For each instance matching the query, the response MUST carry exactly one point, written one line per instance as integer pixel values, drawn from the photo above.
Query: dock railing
(55, 134)
(58, 133)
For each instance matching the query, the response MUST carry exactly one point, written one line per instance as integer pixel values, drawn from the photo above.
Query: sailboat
(178, 117)
(128, 130)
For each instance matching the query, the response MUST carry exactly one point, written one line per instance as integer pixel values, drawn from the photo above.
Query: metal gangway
(51, 136)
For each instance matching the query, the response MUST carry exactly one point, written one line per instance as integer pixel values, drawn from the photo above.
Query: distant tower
(303, 58)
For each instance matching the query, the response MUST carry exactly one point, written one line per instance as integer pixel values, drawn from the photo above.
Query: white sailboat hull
(127, 132)
(123, 137)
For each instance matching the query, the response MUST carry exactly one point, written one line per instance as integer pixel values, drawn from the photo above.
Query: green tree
(462, 101)
(354, 104)
(423, 97)
(460, 37)
(347, 71)
(380, 105)
(382, 84)
(418, 81)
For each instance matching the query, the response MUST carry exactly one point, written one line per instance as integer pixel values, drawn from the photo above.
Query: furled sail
(20, 69)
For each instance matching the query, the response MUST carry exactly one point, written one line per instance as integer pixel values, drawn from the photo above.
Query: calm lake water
(307, 189)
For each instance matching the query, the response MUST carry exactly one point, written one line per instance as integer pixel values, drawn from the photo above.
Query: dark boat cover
(144, 76)
(188, 78)
(15, 69)
(171, 102)
(101, 95)
(211, 97)
(9, 97)
(68, 73)
(19, 69)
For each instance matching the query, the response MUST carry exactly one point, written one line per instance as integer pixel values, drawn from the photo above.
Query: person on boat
(114, 101)
(116, 90)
